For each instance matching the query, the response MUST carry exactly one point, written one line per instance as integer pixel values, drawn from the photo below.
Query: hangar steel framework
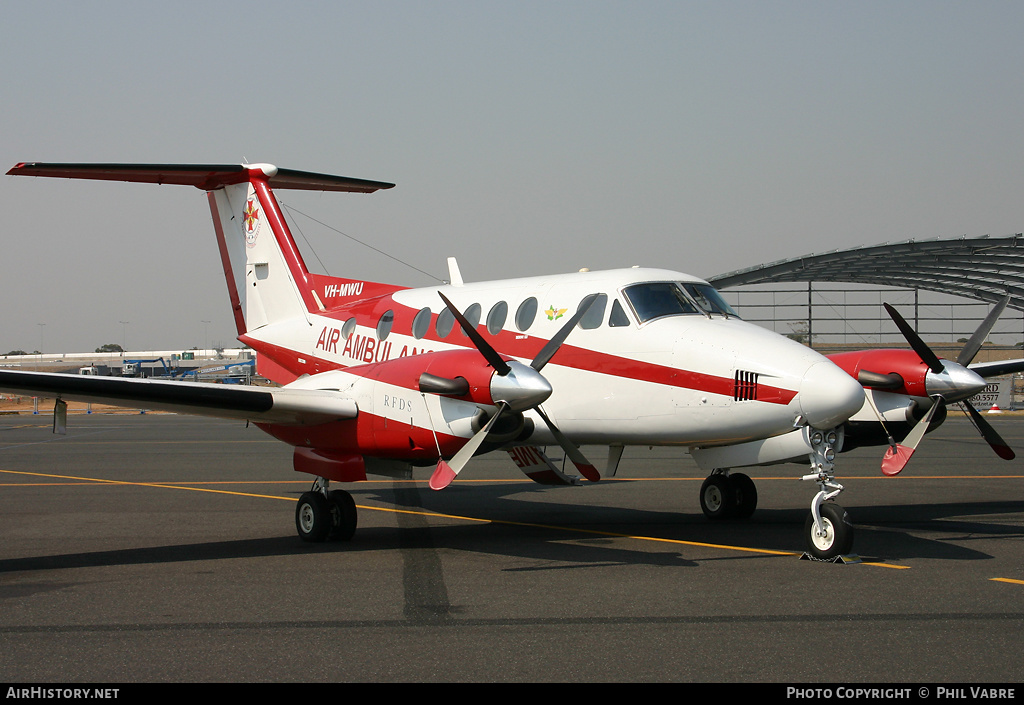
(981, 270)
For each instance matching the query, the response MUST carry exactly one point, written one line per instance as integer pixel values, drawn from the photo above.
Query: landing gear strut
(728, 495)
(325, 515)
(828, 529)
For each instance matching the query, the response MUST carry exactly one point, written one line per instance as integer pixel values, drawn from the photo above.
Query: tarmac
(161, 548)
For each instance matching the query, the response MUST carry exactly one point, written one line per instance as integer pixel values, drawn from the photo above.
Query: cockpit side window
(617, 318)
(658, 299)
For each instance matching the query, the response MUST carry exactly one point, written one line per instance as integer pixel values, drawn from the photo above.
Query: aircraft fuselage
(635, 372)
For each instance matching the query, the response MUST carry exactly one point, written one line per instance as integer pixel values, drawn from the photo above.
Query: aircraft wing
(997, 368)
(293, 407)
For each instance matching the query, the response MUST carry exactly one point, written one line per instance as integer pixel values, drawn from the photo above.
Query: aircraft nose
(828, 395)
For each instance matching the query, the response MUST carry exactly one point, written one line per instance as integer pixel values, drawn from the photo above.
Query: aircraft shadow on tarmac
(884, 531)
(533, 530)
(952, 524)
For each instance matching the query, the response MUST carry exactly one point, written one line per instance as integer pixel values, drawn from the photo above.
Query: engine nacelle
(905, 363)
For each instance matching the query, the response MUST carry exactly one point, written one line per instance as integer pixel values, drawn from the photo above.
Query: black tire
(343, 516)
(838, 539)
(312, 517)
(746, 494)
(717, 499)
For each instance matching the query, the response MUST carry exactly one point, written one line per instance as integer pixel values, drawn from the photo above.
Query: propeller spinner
(517, 387)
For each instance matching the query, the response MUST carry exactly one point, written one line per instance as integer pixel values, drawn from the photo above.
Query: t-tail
(268, 282)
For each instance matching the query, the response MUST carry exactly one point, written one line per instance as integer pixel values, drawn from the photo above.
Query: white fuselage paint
(668, 380)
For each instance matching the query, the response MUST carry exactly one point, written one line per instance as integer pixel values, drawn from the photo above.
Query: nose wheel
(833, 537)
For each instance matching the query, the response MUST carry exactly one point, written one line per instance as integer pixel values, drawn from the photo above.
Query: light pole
(124, 336)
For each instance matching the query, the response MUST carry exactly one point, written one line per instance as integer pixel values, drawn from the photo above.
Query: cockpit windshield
(708, 298)
(657, 299)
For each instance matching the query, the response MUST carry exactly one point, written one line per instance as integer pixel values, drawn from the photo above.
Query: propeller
(953, 382)
(524, 388)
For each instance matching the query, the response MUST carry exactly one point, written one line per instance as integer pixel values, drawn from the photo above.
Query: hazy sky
(524, 138)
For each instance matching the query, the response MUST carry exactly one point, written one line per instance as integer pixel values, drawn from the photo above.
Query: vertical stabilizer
(267, 279)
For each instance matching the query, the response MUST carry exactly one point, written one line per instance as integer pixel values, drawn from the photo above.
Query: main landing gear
(323, 514)
(728, 495)
(828, 530)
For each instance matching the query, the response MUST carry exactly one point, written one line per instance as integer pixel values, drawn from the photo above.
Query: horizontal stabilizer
(293, 407)
(207, 177)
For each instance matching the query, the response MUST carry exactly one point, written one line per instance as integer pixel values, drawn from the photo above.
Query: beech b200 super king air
(378, 378)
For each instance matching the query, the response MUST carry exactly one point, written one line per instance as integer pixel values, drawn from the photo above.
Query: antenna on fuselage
(454, 275)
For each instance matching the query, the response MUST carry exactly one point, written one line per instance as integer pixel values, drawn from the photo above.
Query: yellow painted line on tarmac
(70, 479)
(163, 485)
(928, 477)
(592, 532)
(790, 478)
(1007, 580)
(148, 442)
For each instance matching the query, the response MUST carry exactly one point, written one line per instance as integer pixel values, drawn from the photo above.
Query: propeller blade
(490, 354)
(989, 434)
(973, 345)
(446, 472)
(923, 351)
(897, 456)
(551, 347)
(585, 467)
(443, 475)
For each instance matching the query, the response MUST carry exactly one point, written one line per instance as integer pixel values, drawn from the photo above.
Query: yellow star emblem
(554, 314)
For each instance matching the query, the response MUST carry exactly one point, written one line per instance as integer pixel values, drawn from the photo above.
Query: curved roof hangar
(983, 268)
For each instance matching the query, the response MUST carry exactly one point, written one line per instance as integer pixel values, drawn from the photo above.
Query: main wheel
(313, 517)
(838, 537)
(717, 499)
(343, 516)
(746, 494)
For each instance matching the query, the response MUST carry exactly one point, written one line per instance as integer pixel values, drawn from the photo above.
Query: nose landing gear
(833, 537)
(828, 529)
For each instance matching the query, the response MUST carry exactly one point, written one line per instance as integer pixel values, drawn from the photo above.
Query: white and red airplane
(379, 378)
